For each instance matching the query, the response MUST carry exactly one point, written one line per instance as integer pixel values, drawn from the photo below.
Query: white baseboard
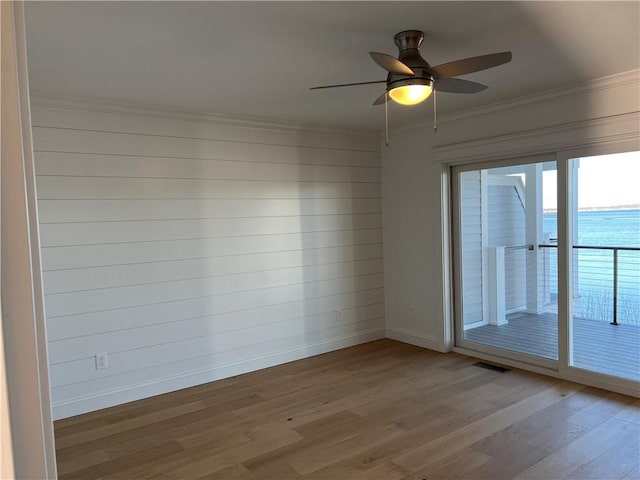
(418, 339)
(109, 398)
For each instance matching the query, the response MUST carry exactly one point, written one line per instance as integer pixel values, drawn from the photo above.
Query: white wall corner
(418, 339)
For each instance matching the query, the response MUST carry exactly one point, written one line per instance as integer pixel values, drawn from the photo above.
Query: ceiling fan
(411, 79)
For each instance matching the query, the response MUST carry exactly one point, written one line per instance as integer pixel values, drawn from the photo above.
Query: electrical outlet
(101, 361)
(412, 311)
(339, 316)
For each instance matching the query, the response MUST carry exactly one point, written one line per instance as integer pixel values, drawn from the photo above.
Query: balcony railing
(602, 271)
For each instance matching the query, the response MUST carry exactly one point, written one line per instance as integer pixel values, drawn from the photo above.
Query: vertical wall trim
(446, 220)
(36, 263)
(29, 411)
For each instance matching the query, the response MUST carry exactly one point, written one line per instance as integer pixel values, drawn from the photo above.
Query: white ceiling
(258, 59)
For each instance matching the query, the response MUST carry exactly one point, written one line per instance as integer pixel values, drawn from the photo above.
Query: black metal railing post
(615, 287)
(615, 268)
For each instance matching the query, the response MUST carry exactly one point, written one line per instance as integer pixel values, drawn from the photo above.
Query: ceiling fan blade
(391, 64)
(470, 65)
(347, 84)
(457, 85)
(382, 99)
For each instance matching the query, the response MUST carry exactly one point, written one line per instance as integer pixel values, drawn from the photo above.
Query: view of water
(619, 228)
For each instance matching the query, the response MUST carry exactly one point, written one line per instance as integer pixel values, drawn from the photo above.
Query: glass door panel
(605, 232)
(507, 273)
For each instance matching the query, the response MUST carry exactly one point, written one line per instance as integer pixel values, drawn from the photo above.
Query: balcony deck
(598, 346)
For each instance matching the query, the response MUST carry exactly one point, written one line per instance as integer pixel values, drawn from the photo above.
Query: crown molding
(631, 77)
(585, 134)
(586, 88)
(166, 113)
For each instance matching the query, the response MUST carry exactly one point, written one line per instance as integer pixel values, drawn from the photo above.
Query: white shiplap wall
(191, 251)
(471, 230)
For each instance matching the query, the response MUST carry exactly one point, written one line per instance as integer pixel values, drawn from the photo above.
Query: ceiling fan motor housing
(408, 43)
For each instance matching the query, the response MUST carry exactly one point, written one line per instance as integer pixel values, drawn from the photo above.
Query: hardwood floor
(382, 410)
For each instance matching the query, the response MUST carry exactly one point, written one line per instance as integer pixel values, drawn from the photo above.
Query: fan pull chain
(435, 110)
(386, 119)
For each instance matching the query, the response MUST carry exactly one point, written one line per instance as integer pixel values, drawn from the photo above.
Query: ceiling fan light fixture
(410, 94)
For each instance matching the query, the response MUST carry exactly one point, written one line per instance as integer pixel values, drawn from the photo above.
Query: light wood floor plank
(564, 462)
(432, 452)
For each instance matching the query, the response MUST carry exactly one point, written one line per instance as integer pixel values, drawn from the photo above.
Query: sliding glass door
(605, 264)
(546, 257)
(507, 281)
